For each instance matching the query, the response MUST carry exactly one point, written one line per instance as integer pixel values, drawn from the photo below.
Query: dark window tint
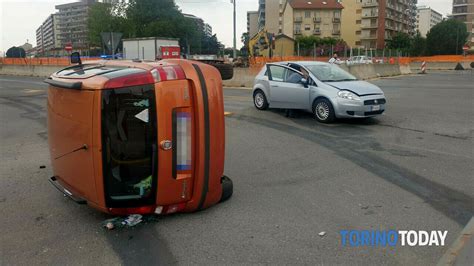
(129, 146)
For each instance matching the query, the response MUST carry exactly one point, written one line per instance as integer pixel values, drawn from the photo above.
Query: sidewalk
(461, 251)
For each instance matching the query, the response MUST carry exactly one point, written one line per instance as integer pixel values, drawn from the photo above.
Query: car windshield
(330, 73)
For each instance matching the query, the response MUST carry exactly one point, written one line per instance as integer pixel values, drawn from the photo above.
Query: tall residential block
(463, 10)
(318, 18)
(47, 37)
(383, 19)
(351, 28)
(270, 15)
(252, 23)
(204, 27)
(72, 24)
(426, 19)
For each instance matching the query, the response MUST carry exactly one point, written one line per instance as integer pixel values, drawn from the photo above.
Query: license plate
(376, 108)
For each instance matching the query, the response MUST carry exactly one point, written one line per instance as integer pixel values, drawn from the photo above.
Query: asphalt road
(410, 169)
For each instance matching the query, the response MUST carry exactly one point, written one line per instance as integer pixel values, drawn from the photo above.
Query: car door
(286, 89)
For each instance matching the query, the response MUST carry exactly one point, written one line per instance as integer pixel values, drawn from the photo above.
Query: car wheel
(226, 70)
(227, 188)
(259, 100)
(323, 111)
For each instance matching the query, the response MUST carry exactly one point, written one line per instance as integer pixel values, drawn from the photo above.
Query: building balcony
(336, 32)
(336, 20)
(368, 37)
(371, 15)
(317, 32)
(317, 20)
(298, 19)
(297, 32)
(372, 4)
(370, 26)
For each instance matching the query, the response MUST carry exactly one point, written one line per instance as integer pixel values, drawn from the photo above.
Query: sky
(19, 19)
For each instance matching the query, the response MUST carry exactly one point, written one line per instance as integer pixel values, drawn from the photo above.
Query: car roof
(303, 63)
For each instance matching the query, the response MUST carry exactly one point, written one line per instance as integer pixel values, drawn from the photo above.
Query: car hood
(359, 87)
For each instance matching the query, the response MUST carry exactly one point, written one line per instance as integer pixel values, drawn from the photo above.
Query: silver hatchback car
(324, 89)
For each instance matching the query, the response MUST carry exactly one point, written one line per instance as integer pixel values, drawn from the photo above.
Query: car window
(293, 77)
(330, 73)
(277, 73)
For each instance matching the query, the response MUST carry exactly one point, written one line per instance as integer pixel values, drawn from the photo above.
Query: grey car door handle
(275, 86)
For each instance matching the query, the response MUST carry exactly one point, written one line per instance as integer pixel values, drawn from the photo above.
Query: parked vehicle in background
(226, 69)
(358, 60)
(151, 48)
(323, 89)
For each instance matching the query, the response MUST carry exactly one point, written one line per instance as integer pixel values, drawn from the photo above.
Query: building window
(358, 21)
(307, 27)
(358, 32)
(307, 14)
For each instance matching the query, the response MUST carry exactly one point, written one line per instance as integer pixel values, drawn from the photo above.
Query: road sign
(465, 47)
(68, 47)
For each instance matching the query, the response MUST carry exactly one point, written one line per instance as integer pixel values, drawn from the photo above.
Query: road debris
(120, 222)
(321, 234)
(128, 221)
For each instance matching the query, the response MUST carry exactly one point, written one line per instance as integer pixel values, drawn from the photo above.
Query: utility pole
(235, 32)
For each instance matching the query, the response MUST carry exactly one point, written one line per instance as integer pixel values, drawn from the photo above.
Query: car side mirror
(304, 82)
(76, 58)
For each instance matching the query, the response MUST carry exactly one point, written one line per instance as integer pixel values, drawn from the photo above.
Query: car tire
(323, 111)
(226, 70)
(227, 188)
(260, 100)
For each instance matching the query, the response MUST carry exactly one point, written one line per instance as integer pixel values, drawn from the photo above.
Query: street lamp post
(235, 33)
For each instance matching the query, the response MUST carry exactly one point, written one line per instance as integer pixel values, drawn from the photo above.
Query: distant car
(358, 60)
(323, 89)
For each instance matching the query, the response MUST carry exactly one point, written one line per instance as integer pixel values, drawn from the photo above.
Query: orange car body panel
(75, 122)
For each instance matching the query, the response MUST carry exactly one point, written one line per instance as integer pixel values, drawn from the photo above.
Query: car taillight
(130, 80)
(164, 73)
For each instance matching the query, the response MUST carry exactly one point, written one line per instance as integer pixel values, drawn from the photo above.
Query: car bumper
(368, 106)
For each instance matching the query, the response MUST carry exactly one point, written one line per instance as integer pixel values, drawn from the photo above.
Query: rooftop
(315, 4)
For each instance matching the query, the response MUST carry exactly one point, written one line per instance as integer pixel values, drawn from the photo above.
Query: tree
(418, 45)
(149, 18)
(324, 46)
(401, 42)
(447, 37)
(16, 52)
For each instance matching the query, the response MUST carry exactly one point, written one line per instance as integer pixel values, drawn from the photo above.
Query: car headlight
(348, 95)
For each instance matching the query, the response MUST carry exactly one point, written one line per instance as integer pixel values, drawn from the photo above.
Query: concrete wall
(416, 66)
(28, 70)
(244, 77)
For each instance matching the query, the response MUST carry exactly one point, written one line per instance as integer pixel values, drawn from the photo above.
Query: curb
(461, 251)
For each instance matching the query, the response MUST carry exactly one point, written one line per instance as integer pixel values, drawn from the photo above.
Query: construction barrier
(42, 61)
(260, 61)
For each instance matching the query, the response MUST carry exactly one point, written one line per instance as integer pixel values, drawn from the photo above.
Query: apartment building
(207, 30)
(47, 37)
(351, 29)
(204, 27)
(319, 18)
(72, 24)
(426, 19)
(270, 15)
(383, 19)
(463, 10)
(252, 23)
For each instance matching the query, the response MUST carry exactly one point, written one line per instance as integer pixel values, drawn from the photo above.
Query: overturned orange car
(138, 137)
